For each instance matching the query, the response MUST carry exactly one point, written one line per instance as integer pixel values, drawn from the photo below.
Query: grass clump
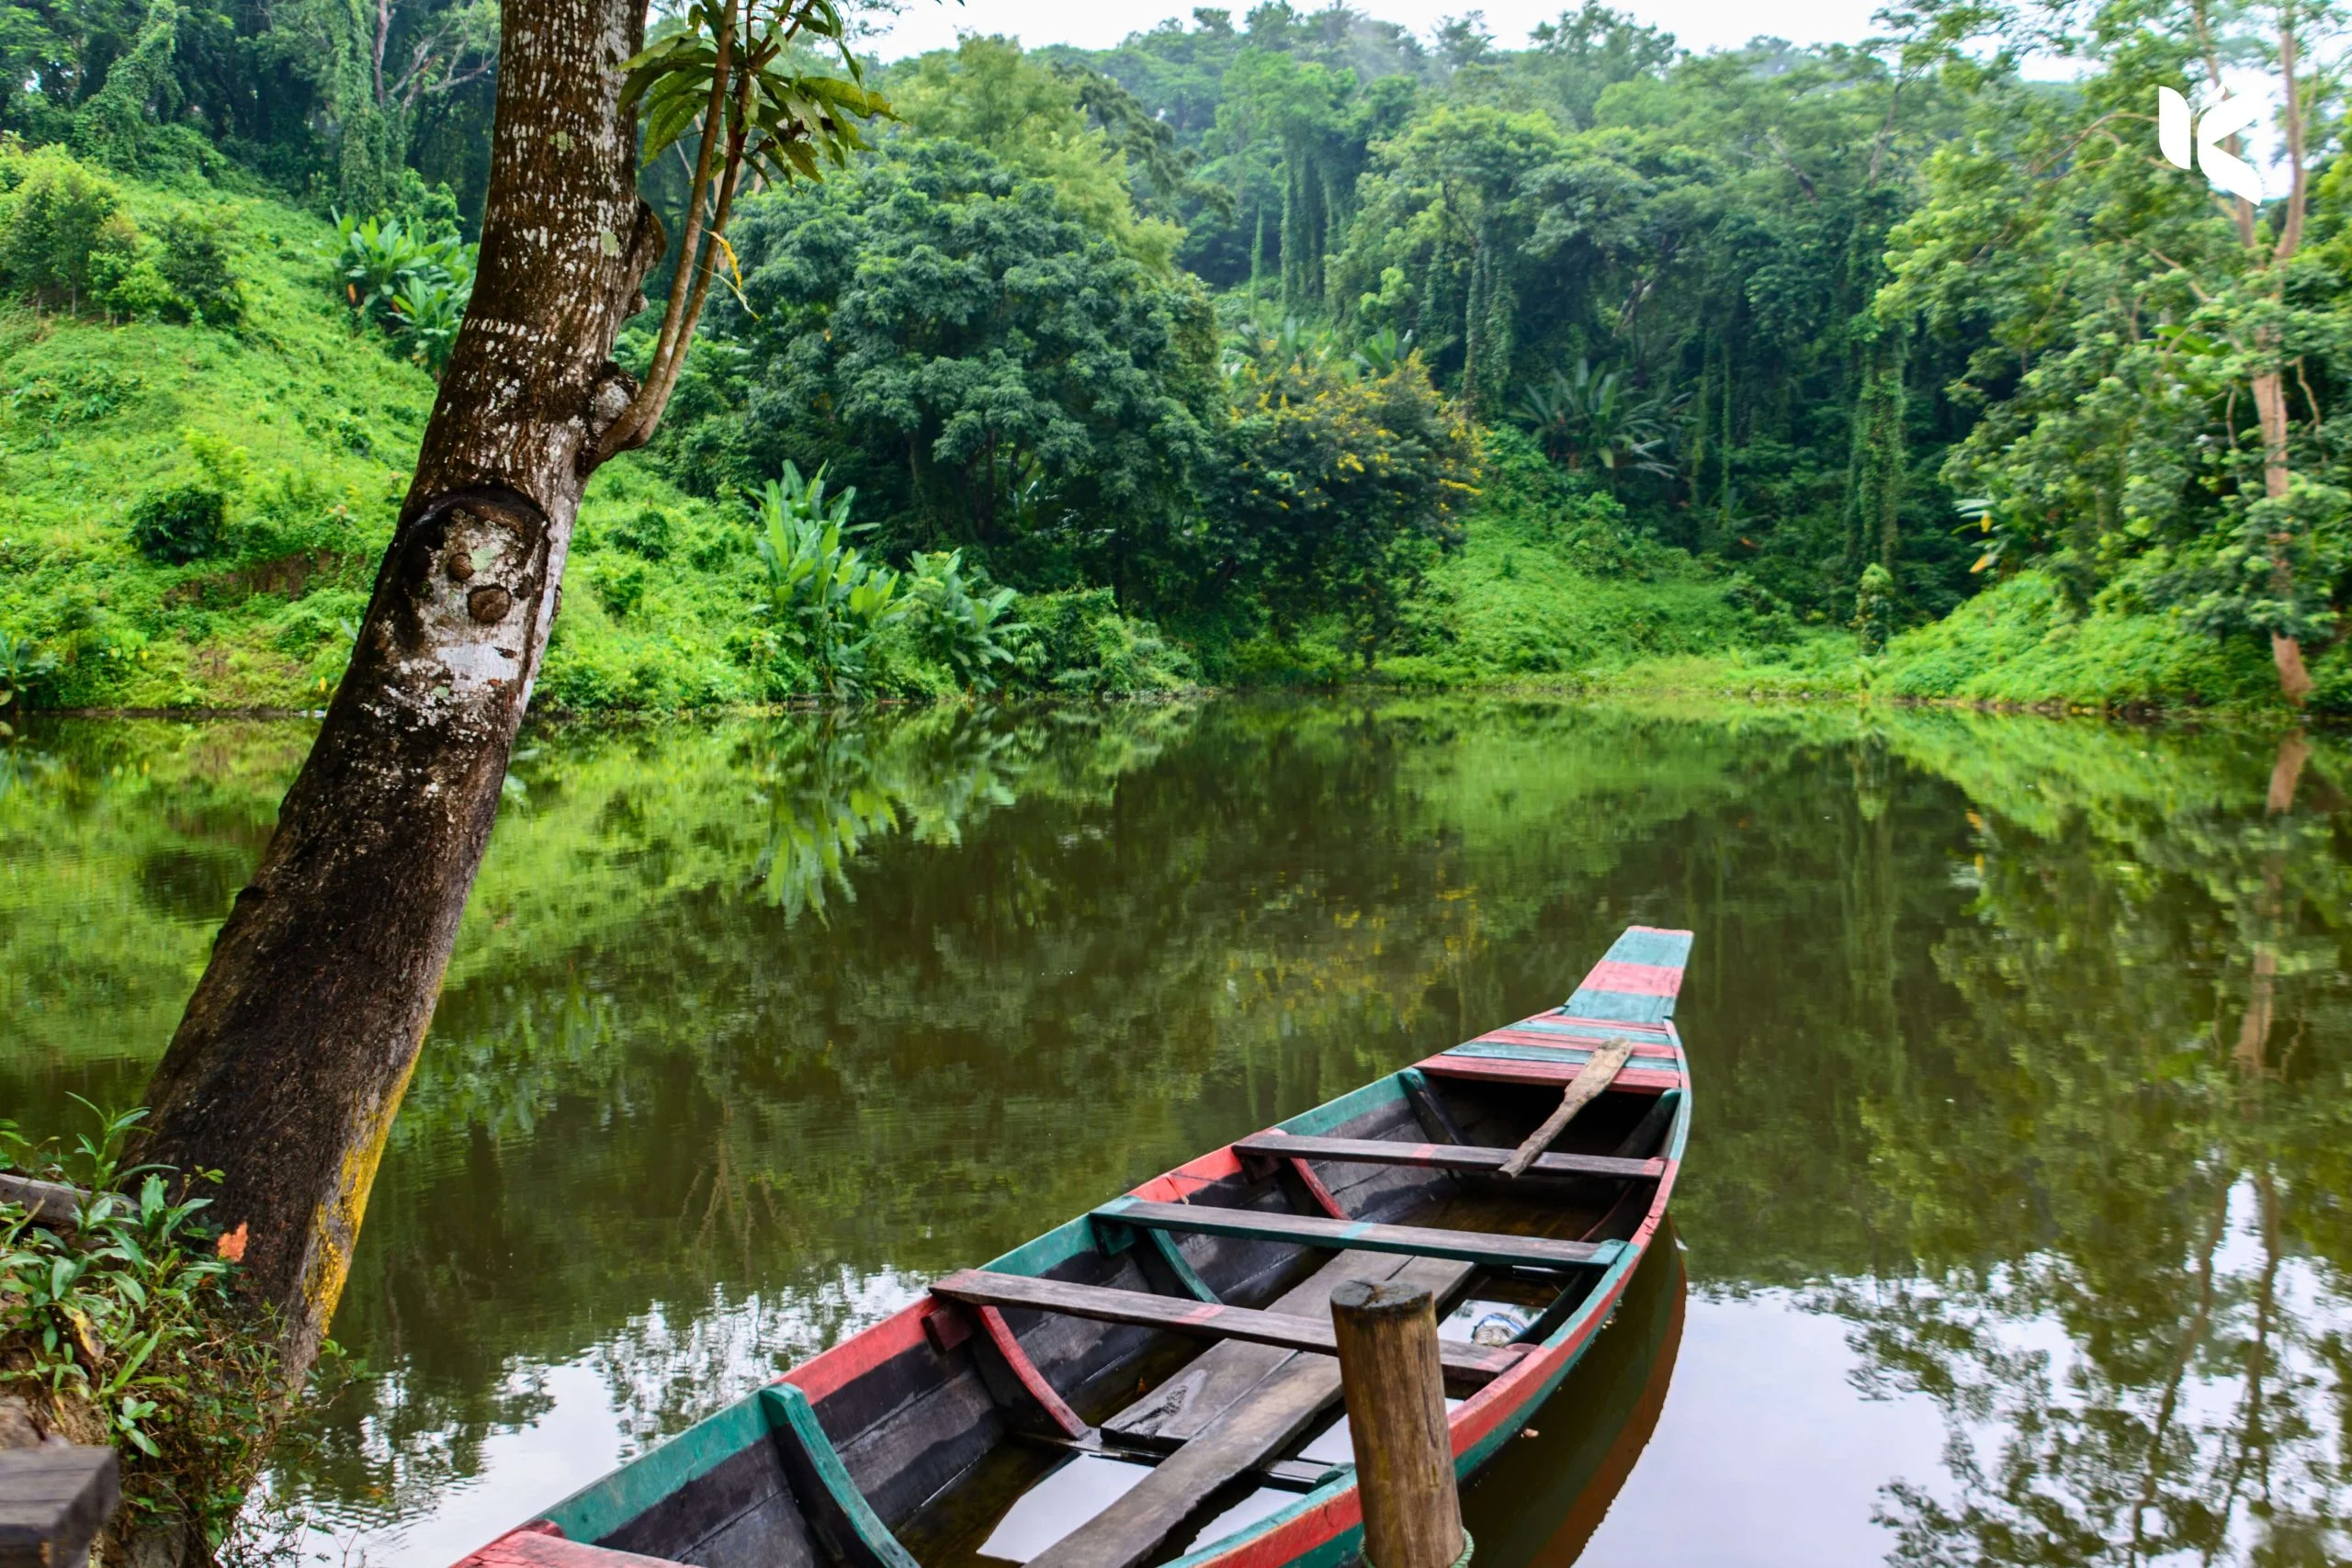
(2022, 642)
(121, 1329)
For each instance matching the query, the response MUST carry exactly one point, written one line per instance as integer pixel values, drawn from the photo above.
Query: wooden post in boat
(1395, 1397)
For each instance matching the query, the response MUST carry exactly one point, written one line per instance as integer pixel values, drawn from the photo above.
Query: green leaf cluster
(121, 1326)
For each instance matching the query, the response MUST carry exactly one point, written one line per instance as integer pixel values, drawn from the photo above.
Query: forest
(1286, 348)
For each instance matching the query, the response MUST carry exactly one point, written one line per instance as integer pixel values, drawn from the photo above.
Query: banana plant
(969, 632)
(429, 313)
(828, 598)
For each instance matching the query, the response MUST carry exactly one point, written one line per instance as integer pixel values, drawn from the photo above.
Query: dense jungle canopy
(1270, 347)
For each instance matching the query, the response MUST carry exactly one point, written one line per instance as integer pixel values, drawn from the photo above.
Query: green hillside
(302, 415)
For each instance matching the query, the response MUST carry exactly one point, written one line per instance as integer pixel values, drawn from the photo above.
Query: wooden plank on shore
(55, 1498)
(1141, 1308)
(50, 1202)
(1494, 1250)
(1445, 1157)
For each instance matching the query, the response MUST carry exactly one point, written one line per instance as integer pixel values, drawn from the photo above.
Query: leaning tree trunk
(290, 1062)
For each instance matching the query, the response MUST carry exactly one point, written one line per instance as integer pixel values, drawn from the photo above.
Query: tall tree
(290, 1064)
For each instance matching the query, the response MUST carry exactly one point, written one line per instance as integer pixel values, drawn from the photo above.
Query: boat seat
(1492, 1250)
(1471, 1365)
(1441, 1157)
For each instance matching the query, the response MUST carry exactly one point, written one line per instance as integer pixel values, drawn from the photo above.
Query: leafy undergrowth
(2021, 643)
(2017, 644)
(121, 1329)
(1549, 585)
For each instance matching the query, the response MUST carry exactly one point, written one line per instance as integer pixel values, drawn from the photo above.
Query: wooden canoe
(1152, 1382)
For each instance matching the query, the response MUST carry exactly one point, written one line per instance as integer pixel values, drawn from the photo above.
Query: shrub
(179, 521)
(58, 213)
(193, 260)
(652, 533)
(426, 314)
(967, 631)
(124, 1329)
(1083, 645)
(621, 587)
(1874, 608)
(23, 668)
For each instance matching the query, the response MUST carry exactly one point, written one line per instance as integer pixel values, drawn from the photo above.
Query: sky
(1093, 24)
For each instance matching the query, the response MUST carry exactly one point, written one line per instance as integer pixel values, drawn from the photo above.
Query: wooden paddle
(1596, 1074)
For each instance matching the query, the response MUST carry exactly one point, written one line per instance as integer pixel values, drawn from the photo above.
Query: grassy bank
(301, 416)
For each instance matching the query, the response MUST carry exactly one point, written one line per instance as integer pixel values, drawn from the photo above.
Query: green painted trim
(1064, 1241)
(1588, 1027)
(1567, 1056)
(790, 1407)
(1493, 1251)
(1665, 950)
(1622, 1007)
(1316, 1122)
(1178, 1264)
(599, 1510)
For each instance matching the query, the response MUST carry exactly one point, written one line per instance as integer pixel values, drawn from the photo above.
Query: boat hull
(830, 1461)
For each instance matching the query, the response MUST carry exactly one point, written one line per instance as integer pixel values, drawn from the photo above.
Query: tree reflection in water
(2021, 1051)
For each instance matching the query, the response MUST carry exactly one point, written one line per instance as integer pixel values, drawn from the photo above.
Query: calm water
(2014, 1226)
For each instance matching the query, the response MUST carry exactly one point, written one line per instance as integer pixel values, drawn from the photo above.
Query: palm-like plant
(1384, 351)
(1585, 418)
(829, 600)
(967, 631)
(380, 257)
(429, 312)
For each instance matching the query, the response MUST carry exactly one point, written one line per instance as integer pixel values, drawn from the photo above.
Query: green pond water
(2013, 1229)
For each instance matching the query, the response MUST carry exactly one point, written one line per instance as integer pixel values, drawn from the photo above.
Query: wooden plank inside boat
(988, 1291)
(1183, 1408)
(1443, 1156)
(1496, 1251)
(1132, 1530)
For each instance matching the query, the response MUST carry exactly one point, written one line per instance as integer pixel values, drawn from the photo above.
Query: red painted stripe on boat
(854, 1358)
(1293, 1538)
(1001, 1335)
(1493, 1069)
(1177, 1186)
(540, 1545)
(1661, 1046)
(1316, 1191)
(1641, 979)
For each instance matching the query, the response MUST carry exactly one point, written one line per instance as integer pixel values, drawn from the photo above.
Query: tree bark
(290, 1064)
(2270, 408)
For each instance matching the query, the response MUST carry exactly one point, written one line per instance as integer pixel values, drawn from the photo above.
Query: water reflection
(2021, 1049)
